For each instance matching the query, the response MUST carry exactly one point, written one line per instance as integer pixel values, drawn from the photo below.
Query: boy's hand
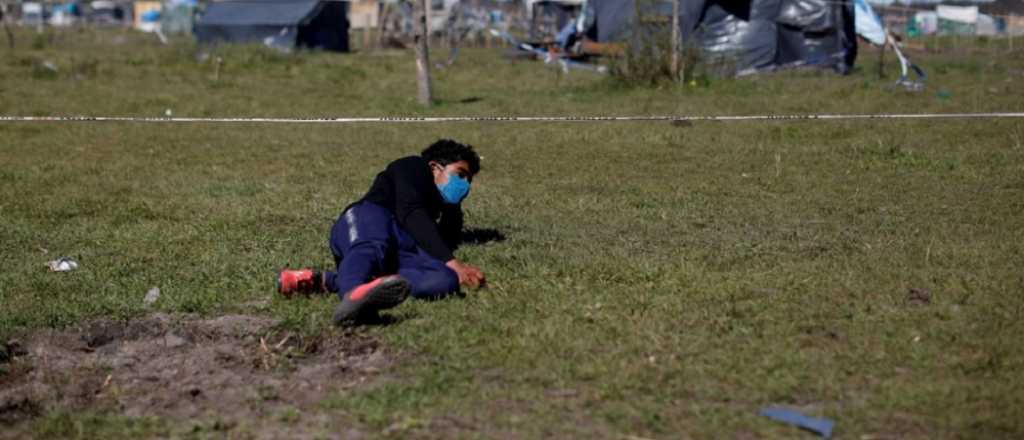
(468, 275)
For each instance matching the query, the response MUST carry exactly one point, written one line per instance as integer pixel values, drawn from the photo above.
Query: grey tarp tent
(757, 34)
(283, 24)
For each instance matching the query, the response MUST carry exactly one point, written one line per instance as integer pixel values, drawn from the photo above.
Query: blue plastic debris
(820, 426)
(151, 15)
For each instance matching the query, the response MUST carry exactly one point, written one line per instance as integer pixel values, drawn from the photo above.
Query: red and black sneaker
(367, 298)
(304, 281)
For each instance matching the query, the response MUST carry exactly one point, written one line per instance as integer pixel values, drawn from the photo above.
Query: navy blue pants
(367, 243)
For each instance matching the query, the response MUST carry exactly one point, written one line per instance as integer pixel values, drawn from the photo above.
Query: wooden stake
(423, 87)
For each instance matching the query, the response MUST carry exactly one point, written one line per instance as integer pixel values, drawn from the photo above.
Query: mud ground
(236, 371)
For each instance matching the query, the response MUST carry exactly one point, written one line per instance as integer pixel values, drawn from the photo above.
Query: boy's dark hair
(447, 151)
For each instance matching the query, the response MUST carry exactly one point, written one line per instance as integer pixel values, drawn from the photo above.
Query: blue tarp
(260, 12)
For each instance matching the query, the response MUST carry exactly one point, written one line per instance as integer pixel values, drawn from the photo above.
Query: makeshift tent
(33, 13)
(147, 15)
(364, 14)
(757, 34)
(925, 23)
(282, 24)
(177, 16)
(987, 26)
(106, 12)
(547, 17)
(957, 19)
(65, 14)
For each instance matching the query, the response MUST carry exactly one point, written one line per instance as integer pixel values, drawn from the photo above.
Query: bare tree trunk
(423, 86)
(675, 40)
(10, 35)
(383, 11)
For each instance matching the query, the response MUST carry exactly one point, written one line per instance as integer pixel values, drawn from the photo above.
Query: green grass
(87, 425)
(656, 281)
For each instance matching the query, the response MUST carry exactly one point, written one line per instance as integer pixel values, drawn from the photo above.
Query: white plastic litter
(152, 295)
(63, 264)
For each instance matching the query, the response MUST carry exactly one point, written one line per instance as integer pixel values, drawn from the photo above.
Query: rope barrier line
(449, 119)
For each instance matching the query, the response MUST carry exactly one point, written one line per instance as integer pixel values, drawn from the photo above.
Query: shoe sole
(385, 295)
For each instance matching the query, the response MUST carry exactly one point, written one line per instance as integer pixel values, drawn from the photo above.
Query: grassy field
(654, 281)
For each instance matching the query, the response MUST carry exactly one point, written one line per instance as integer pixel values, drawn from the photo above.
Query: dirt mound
(236, 369)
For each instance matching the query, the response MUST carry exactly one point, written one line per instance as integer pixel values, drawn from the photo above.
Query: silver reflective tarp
(756, 34)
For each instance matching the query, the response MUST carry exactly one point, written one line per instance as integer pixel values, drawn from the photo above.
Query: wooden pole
(1009, 32)
(881, 58)
(675, 40)
(41, 25)
(423, 87)
(366, 32)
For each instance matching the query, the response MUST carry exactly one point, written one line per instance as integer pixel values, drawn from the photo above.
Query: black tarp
(756, 34)
(283, 24)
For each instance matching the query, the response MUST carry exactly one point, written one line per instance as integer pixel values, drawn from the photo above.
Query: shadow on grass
(477, 236)
(378, 320)
(469, 100)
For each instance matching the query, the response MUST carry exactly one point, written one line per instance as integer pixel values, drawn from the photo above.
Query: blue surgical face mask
(454, 190)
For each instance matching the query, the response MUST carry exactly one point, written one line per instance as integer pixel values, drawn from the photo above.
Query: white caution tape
(415, 119)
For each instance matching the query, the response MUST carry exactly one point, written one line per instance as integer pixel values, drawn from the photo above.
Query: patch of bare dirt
(235, 369)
